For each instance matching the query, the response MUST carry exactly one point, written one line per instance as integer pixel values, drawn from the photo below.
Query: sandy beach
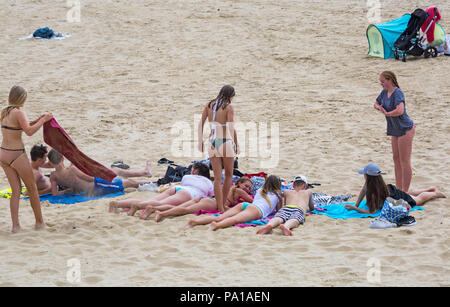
(132, 74)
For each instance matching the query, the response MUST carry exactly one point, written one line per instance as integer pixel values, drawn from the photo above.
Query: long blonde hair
(272, 185)
(16, 99)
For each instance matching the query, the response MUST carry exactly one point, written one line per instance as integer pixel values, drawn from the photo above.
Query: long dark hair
(203, 169)
(224, 97)
(376, 192)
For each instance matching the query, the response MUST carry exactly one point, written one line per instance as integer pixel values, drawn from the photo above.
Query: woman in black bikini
(13, 158)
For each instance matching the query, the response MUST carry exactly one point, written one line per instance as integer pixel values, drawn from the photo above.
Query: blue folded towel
(68, 199)
(338, 211)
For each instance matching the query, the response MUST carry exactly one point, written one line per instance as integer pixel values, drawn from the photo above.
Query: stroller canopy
(381, 37)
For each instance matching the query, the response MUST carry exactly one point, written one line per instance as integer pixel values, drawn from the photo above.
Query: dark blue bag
(44, 33)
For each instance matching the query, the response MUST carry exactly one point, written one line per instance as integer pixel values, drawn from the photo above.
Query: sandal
(120, 164)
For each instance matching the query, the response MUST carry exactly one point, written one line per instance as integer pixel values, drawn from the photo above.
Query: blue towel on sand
(68, 199)
(338, 211)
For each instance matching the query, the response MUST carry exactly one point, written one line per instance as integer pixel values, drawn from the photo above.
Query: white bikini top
(213, 124)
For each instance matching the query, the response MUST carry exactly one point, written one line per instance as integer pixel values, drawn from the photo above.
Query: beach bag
(44, 33)
(394, 210)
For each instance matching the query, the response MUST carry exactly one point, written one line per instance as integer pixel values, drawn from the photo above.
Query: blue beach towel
(338, 211)
(69, 199)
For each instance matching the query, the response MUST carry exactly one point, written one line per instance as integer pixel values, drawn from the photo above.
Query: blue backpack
(44, 33)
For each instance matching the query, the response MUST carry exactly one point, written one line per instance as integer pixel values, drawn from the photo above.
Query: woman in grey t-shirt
(391, 102)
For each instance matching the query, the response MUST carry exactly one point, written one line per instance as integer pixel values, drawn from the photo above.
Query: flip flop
(164, 161)
(120, 164)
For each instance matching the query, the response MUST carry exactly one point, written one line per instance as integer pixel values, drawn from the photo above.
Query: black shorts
(399, 194)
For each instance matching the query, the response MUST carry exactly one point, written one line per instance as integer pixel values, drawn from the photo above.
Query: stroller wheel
(396, 56)
(434, 54)
(404, 57)
(430, 52)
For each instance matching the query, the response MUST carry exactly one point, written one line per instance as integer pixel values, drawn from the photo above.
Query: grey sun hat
(371, 169)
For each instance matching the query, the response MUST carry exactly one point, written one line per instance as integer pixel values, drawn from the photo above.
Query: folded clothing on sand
(46, 33)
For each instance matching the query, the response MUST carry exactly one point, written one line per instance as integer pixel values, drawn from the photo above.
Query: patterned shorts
(287, 213)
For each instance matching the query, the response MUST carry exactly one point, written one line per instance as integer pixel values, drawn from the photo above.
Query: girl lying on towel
(267, 199)
(376, 191)
(239, 193)
(197, 184)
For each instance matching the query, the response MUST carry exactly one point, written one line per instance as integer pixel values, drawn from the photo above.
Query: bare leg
(417, 192)
(23, 168)
(126, 173)
(249, 214)
(216, 164)
(423, 197)
(209, 219)
(286, 227)
(16, 187)
(192, 207)
(269, 226)
(227, 182)
(405, 150)
(131, 183)
(137, 206)
(174, 200)
(126, 203)
(397, 164)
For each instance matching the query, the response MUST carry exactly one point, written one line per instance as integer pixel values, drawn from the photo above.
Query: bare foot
(190, 224)
(158, 217)
(286, 231)
(439, 194)
(148, 211)
(113, 207)
(148, 170)
(16, 229)
(213, 226)
(264, 230)
(39, 226)
(133, 209)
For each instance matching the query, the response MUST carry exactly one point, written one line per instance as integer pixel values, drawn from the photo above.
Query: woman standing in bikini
(223, 141)
(391, 102)
(13, 158)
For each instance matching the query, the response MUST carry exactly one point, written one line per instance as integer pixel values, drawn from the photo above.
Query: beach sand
(134, 71)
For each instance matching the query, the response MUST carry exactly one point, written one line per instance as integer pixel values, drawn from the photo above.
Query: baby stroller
(410, 42)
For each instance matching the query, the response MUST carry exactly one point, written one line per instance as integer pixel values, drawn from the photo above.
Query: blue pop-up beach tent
(382, 36)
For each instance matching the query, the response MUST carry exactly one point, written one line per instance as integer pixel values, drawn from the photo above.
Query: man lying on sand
(38, 155)
(292, 214)
(77, 181)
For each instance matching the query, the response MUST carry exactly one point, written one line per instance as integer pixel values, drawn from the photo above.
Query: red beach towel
(56, 137)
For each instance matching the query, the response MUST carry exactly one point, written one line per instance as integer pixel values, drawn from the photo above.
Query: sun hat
(370, 169)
